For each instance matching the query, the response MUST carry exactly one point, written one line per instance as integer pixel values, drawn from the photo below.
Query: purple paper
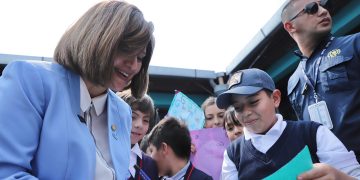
(210, 145)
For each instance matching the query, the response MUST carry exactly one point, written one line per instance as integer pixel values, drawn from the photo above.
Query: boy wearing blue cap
(269, 142)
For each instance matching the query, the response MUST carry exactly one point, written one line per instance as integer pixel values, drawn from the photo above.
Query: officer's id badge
(235, 79)
(320, 114)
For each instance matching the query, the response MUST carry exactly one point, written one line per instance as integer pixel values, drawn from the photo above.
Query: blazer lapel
(119, 127)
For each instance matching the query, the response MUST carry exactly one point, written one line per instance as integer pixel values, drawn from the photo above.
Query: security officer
(325, 87)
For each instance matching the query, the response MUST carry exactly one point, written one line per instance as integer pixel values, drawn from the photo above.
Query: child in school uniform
(169, 143)
(142, 122)
(269, 142)
(232, 126)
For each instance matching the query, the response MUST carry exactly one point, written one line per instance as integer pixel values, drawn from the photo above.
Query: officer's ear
(289, 27)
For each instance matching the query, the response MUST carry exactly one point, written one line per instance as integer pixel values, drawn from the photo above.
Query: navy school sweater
(253, 164)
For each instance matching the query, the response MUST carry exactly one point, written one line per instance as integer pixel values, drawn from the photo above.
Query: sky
(192, 34)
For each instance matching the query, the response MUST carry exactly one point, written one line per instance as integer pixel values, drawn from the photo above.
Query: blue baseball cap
(245, 82)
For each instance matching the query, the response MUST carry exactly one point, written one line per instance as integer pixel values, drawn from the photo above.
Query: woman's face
(126, 66)
(214, 117)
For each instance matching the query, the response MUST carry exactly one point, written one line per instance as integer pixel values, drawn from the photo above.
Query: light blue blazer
(41, 135)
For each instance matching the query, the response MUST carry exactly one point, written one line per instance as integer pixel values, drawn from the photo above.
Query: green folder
(299, 164)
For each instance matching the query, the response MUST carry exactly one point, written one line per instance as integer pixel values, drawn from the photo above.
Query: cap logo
(235, 79)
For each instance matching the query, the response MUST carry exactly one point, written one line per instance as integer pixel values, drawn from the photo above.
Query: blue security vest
(338, 84)
(253, 164)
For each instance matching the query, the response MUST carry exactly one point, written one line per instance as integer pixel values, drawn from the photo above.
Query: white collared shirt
(104, 167)
(264, 142)
(180, 174)
(330, 150)
(135, 152)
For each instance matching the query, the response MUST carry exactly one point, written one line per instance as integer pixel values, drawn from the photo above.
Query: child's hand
(323, 171)
(193, 148)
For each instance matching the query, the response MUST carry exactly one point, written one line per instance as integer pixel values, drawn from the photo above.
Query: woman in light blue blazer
(61, 120)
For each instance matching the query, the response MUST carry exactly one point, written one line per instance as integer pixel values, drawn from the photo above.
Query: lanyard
(317, 65)
(140, 166)
(188, 174)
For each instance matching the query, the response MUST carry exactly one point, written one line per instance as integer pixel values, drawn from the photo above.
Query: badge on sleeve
(320, 113)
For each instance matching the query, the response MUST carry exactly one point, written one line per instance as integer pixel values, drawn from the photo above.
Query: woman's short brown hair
(90, 46)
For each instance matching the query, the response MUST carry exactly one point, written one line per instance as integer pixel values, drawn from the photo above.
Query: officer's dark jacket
(338, 84)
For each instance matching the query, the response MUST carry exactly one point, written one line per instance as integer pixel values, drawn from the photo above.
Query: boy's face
(233, 131)
(257, 112)
(159, 155)
(140, 125)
